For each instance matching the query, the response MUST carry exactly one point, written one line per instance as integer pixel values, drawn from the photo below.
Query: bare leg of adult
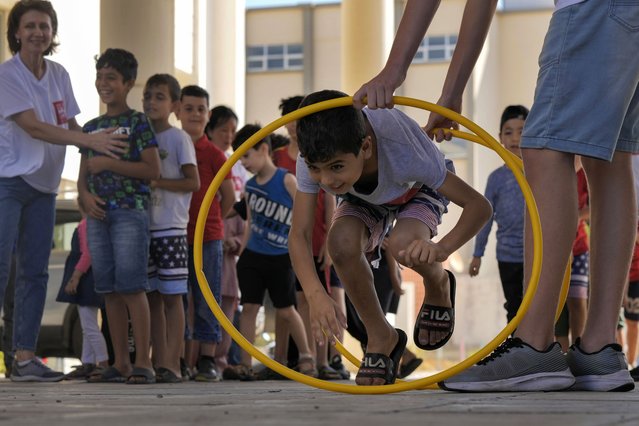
(552, 179)
(578, 309)
(613, 219)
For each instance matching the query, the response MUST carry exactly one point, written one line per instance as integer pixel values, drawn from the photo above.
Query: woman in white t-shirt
(37, 110)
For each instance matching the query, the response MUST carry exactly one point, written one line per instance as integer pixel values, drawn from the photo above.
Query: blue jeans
(26, 216)
(206, 328)
(119, 246)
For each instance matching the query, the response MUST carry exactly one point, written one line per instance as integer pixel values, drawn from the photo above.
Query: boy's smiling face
(343, 171)
(194, 115)
(112, 88)
(157, 103)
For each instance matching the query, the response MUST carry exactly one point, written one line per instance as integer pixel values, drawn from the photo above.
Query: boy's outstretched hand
(325, 316)
(421, 252)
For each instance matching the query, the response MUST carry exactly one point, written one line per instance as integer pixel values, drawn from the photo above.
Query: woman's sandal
(436, 318)
(380, 366)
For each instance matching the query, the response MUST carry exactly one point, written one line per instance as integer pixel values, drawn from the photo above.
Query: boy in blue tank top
(264, 263)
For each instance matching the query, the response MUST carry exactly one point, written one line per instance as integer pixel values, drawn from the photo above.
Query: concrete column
(367, 35)
(146, 29)
(225, 53)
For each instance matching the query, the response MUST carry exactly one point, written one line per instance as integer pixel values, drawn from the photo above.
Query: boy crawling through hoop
(383, 168)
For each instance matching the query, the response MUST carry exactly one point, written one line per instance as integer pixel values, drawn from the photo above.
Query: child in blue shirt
(503, 192)
(115, 194)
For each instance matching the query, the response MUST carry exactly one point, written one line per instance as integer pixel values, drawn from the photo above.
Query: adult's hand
(437, 121)
(378, 92)
(109, 143)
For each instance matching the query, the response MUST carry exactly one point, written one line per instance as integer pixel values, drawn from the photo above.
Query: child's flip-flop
(436, 318)
(380, 366)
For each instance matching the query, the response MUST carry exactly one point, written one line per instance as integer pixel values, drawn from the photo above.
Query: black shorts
(631, 308)
(257, 273)
(334, 279)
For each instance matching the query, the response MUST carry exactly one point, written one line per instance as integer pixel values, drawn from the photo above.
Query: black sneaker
(337, 365)
(634, 373)
(206, 371)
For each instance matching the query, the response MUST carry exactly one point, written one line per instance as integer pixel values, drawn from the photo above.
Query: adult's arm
(103, 142)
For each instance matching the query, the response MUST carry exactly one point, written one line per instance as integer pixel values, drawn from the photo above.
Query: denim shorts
(119, 247)
(587, 98)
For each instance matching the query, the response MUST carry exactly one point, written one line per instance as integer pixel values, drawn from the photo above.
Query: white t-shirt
(39, 163)
(406, 158)
(170, 209)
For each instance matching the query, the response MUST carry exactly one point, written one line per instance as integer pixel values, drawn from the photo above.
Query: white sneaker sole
(620, 381)
(539, 382)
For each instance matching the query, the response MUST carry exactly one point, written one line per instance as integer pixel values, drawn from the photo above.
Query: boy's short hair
(246, 132)
(278, 140)
(121, 60)
(195, 91)
(290, 104)
(219, 116)
(513, 111)
(169, 81)
(325, 134)
(16, 13)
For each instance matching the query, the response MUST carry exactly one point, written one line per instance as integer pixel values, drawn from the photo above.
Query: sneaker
(337, 365)
(206, 371)
(515, 367)
(80, 372)
(34, 371)
(603, 371)
(634, 373)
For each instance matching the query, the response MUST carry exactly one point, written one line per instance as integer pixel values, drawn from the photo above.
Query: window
(274, 57)
(435, 49)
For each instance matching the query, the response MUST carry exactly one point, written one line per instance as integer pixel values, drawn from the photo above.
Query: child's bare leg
(436, 282)
(303, 309)
(138, 307)
(158, 328)
(632, 333)
(282, 334)
(337, 294)
(174, 312)
(578, 309)
(228, 306)
(346, 241)
(247, 328)
(552, 179)
(295, 325)
(611, 189)
(119, 330)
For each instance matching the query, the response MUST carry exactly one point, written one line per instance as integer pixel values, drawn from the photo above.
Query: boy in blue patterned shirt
(116, 195)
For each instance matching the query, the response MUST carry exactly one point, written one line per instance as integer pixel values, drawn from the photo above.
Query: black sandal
(380, 366)
(436, 318)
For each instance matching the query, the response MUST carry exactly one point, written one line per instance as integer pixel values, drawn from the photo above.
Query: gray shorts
(587, 97)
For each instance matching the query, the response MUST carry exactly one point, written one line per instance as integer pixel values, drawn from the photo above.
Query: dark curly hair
(323, 135)
(121, 60)
(13, 22)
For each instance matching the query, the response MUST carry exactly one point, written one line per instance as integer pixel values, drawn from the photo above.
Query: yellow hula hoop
(355, 389)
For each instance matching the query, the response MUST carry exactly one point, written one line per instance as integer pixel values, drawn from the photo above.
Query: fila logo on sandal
(429, 314)
(369, 363)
